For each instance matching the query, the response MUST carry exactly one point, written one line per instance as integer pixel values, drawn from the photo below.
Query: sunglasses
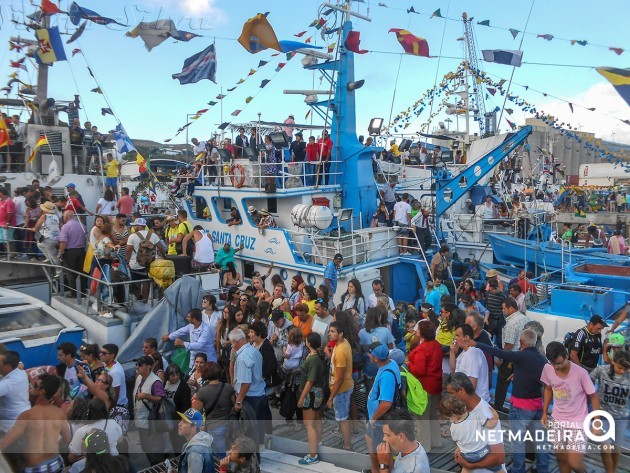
(105, 353)
(99, 380)
(320, 300)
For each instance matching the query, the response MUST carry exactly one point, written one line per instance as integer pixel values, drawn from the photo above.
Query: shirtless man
(41, 426)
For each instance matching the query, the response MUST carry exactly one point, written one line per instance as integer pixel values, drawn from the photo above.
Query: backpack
(399, 401)
(190, 246)
(415, 395)
(569, 341)
(146, 251)
(574, 237)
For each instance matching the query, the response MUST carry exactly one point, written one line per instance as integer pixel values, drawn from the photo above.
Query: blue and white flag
(77, 13)
(123, 142)
(503, 56)
(202, 65)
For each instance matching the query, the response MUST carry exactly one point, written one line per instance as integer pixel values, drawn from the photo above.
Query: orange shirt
(305, 327)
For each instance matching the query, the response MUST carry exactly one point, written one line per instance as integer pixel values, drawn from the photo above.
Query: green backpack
(416, 396)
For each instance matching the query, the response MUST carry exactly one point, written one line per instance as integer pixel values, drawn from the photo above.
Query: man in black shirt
(586, 345)
(298, 149)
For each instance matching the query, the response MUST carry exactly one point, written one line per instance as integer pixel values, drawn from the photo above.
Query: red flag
(617, 51)
(300, 34)
(353, 42)
(49, 8)
(512, 125)
(411, 44)
(203, 110)
(308, 40)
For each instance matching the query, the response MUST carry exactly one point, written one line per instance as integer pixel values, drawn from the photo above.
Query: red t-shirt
(325, 148)
(72, 203)
(125, 205)
(311, 152)
(7, 207)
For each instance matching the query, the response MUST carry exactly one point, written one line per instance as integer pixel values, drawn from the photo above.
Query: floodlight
(279, 139)
(404, 145)
(375, 126)
(225, 155)
(355, 85)
(250, 153)
(344, 215)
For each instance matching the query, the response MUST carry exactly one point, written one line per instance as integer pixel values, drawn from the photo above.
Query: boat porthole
(283, 274)
(311, 280)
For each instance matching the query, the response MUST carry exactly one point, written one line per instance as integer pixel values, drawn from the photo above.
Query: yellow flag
(258, 35)
(43, 141)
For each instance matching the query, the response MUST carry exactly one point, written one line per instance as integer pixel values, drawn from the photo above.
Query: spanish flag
(4, 134)
(43, 141)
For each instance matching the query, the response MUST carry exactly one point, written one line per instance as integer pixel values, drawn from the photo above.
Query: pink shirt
(7, 207)
(569, 393)
(125, 205)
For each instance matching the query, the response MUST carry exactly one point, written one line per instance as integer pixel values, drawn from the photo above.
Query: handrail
(448, 268)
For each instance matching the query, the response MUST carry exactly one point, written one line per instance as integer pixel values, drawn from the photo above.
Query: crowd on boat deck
(419, 372)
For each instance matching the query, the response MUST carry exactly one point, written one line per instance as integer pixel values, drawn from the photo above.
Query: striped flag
(43, 141)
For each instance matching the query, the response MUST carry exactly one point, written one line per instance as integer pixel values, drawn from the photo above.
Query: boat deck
(440, 459)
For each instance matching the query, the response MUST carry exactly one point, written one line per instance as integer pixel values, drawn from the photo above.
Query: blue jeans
(522, 421)
(219, 443)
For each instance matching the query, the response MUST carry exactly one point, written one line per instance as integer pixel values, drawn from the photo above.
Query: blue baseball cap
(72, 185)
(380, 351)
(192, 416)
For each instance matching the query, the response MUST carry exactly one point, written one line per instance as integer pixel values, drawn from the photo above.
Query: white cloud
(608, 104)
(199, 7)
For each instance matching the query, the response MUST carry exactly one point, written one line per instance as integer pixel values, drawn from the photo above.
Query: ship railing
(243, 173)
(500, 226)
(359, 246)
(449, 279)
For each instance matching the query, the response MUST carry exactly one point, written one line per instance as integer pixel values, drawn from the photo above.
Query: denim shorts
(476, 457)
(341, 403)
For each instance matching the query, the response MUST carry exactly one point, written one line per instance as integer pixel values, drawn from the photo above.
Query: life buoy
(237, 175)
(311, 280)
(283, 274)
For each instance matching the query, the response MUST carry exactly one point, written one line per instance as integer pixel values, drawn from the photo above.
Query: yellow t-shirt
(443, 336)
(311, 307)
(342, 358)
(394, 150)
(111, 168)
(171, 233)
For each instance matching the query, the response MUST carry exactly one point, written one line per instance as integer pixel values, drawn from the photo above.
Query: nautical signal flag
(353, 42)
(77, 13)
(49, 8)
(43, 141)
(50, 46)
(411, 44)
(503, 56)
(258, 35)
(620, 80)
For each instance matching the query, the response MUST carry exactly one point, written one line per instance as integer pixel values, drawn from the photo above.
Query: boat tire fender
(311, 280)
(237, 175)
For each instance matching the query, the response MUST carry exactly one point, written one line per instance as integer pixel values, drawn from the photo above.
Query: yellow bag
(162, 271)
(87, 262)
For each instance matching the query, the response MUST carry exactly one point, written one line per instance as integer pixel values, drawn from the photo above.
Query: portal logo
(591, 425)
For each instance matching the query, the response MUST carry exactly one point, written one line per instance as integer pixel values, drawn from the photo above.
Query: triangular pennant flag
(264, 82)
(548, 37)
(106, 111)
(308, 40)
(168, 140)
(353, 42)
(290, 55)
(49, 8)
(212, 103)
(261, 64)
(331, 47)
(437, 13)
(202, 111)
(320, 23)
(97, 90)
(617, 51)
(249, 99)
(383, 5)
(280, 66)
(313, 23)
(411, 10)
(514, 32)
(592, 109)
(240, 81)
(307, 114)
(512, 124)
(581, 43)
(195, 117)
(78, 32)
(300, 34)
(509, 111)
(328, 12)
(484, 23)
(252, 72)
(571, 107)
(90, 71)
(231, 89)
(235, 113)
(220, 97)
(75, 51)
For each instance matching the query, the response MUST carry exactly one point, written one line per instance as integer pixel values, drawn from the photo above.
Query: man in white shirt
(461, 386)
(20, 212)
(198, 334)
(471, 361)
(13, 390)
(399, 436)
(108, 355)
(487, 210)
(402, 218)
(198, 147)
(372, 299)
(516, 293)
(66, 354)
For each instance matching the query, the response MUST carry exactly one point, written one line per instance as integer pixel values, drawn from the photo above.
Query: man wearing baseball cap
(197, 454)
(385, 391)
(586, 344)
(331, 273)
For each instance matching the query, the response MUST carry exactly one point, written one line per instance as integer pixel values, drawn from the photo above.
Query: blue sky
(152, 105)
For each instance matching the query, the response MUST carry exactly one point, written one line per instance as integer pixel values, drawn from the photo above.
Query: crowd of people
(427, 373)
